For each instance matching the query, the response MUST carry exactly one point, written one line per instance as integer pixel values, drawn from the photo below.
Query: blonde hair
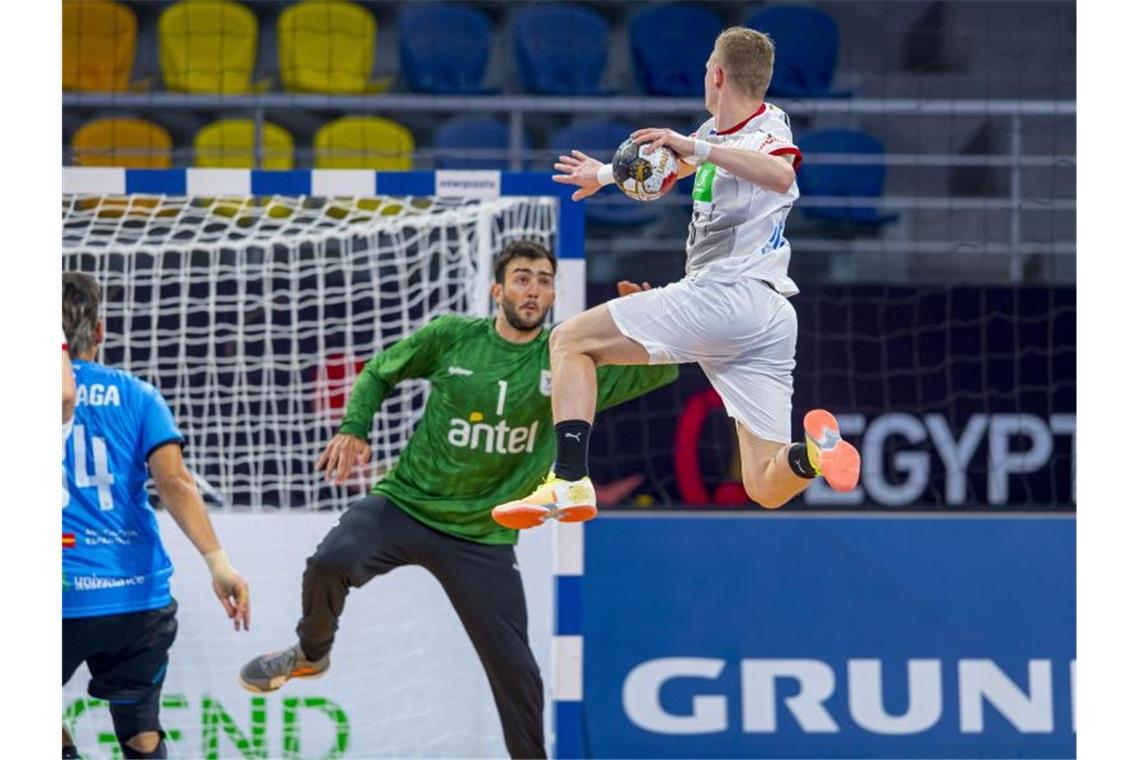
(747, 57)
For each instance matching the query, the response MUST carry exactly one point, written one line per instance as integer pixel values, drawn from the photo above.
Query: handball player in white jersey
(730, 313)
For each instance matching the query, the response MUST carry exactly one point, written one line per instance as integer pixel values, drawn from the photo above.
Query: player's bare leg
(144, 743)
(776, 472)
(577, 348)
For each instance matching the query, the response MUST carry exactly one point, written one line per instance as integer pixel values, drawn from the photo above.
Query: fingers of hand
(243, 604)
(344, 467)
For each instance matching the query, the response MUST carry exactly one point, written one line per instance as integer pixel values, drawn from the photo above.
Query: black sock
(573, 444)
(799, 462)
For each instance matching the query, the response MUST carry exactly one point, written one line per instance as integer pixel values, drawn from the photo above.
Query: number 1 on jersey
(502, 398)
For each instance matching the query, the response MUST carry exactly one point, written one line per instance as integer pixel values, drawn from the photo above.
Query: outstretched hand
(343, 453)
(580, 170)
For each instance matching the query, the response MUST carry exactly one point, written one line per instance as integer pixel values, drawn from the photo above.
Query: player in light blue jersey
(118, 613)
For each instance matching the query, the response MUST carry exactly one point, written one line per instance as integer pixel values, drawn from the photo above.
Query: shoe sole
(258, 690)
(522, 515)
(839, 461)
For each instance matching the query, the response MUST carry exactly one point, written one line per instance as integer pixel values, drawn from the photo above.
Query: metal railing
(518, 107)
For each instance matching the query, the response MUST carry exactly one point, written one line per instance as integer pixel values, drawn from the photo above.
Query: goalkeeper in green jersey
(486, 437)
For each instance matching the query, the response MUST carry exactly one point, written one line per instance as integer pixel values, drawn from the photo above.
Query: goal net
(253, 315)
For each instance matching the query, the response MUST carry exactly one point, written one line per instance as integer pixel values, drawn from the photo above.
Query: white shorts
(741, 332)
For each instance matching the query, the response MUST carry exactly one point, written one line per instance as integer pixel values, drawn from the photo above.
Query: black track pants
(482, 582)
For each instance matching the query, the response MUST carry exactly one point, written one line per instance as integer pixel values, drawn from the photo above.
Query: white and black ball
(644, 174)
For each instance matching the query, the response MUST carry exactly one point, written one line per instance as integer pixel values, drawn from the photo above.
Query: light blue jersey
(113, 559)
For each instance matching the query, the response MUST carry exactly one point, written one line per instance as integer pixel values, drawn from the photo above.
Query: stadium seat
(364, 142)
(98, 45)
(817, 177)
(455, 139)
(560, 49)
(132, 143)
(207, 46)
(669, 45)
(229, 144)
(807, 50)
(600, 139)
(444, 48)
(327, 46)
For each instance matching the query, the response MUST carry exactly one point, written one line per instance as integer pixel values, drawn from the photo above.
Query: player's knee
(144, 746)
(759, 491)
(328, 564)
(561, 338)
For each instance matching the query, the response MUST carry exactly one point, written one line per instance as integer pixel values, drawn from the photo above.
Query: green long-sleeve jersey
(486, 434)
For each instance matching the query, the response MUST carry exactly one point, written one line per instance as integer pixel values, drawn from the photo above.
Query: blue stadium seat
(818, 177)
(560, 49)
(669, 45)
(444, 48)
(807, 50)
(455, 139)
(600, 139)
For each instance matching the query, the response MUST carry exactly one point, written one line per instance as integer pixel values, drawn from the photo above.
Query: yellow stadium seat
(327, 46)
(98, 45)
(133, 143)
(207, 46)
(229, 144)
(364, 142)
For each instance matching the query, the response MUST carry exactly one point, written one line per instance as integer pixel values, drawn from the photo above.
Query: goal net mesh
(253, 316)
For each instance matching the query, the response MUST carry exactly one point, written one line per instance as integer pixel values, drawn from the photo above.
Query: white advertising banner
(404, 682)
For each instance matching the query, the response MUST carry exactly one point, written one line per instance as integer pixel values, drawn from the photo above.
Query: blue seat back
(599, 139)
(819, 178)
(560, 49)
(460, 136)
(807, 49)
(444, 48)
(670, 44)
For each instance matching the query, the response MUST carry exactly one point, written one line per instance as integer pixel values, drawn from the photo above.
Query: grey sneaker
(269, 672)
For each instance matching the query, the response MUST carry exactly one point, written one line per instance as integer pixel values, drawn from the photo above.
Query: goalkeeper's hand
(342, 454)
(230, 588)
(581, 170)
(625, 287)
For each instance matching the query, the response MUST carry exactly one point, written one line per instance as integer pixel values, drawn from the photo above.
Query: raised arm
(177, 490)
(410, 357)
(590, 175)
(770, 171)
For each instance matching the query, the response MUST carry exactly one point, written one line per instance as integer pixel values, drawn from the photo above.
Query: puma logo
(576, 436)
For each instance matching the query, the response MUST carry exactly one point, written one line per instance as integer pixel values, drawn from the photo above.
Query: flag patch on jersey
(68, 540)
(545, 383)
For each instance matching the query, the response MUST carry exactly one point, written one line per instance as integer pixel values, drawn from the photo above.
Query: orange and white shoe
(831, 456)
(557, 499)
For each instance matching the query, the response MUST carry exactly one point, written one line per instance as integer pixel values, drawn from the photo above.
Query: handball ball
(644, 174)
